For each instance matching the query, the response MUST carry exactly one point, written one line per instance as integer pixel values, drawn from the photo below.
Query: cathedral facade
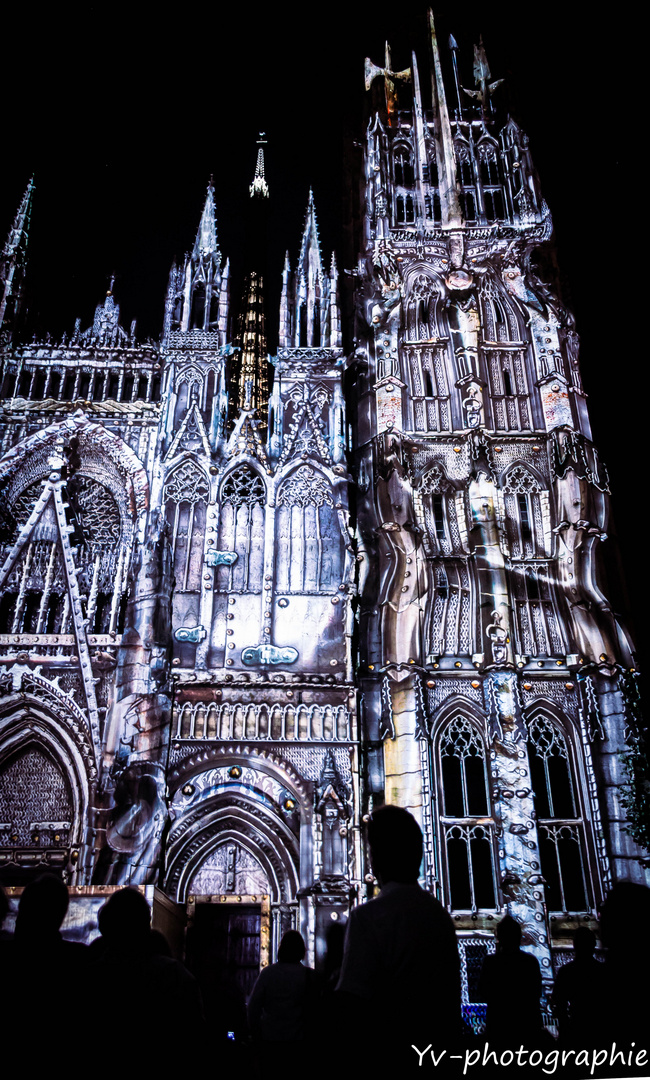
(244, 599)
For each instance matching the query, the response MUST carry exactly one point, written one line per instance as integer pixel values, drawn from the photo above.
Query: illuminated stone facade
(210, 669)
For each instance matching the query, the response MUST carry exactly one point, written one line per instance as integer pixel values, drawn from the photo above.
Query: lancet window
(466, 824)
(428, 384)
(450, 614)
(538, 627)
(560, 825)
(440, 512)
(186, 496)
(527, 514)
(309, 543)
(466, 179)
(490, 180)
(404, 209)
(241, 531)
(402, 166)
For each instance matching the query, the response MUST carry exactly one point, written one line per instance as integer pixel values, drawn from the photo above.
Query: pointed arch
(527, 510)
(257, 803)
(99, 449)
(186, 493)
(242, 502)
(463, 802)
(47, 765)
(309, 544)
(425, 361)
(553, 756)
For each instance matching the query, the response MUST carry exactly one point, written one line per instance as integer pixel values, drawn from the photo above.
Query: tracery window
(466, 179)
(36, 597)
(241, 530)
(526, 506)
(467, 827)
(309, 543)
(539, 631)
(186, 495)
(403, 169)
(560, 826)
(450, 619)
(490, 180)
(440, 512)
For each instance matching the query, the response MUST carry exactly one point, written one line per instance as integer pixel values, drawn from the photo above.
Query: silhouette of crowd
(390, 982)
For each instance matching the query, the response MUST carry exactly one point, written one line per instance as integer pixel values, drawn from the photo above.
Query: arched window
(506, 368)
(309, 543)
(539, 630)
(37, 804)
(467, 828)
(526, 506)
(440, 512)
(36, 598)
(560, 826)
(186, 495)
(241, 530)
(403, 169)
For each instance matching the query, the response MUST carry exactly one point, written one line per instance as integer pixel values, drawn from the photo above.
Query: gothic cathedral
(245, 598)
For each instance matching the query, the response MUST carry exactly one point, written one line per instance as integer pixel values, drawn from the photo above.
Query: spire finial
(206, 237)
(259, 187)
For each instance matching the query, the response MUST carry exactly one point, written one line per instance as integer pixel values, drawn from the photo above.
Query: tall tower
(494, 674)
(249, 380)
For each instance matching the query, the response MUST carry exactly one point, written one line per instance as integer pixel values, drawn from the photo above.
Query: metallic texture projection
(210, 669)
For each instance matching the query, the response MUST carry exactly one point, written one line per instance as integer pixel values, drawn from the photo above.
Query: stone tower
(492, 670)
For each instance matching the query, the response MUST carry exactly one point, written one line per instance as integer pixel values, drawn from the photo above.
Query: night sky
(122, 118)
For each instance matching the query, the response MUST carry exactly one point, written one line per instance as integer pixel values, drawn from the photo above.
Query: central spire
(259, 188)
(206, 237)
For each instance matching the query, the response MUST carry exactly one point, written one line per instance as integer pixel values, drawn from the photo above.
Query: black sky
(123, 116)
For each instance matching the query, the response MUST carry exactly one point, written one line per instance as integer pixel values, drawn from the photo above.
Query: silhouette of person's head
(627, 900)
(292, 948)
(395, 841)
(125, 919)
(508, 934)
(584, 943)
(42, 908)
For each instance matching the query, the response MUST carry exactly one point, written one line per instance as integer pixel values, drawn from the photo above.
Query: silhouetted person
(579, 991)
(41, 967)
(400, 961)
(624, 919)
(511, 985)
(139, 985)
(282, 1006)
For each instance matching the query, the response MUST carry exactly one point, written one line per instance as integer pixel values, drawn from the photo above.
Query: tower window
(466, 825)
(560, 827)
(438, 515)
